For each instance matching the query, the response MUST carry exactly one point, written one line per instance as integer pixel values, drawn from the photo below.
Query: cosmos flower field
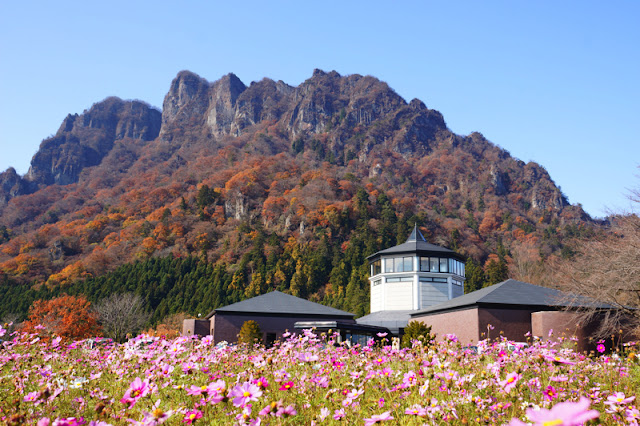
(308, 379)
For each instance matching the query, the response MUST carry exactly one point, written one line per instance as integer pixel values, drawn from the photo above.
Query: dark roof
(514, 293)
(393, 320)
(416, 243)
(281, 303)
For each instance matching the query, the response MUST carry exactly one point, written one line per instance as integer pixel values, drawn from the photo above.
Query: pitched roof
(393, 320)
(276, 302)
(416, 243)
(514, 293)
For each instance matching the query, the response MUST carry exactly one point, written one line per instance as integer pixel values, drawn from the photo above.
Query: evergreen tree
(475, 278)
(250, 333)
(419, 331)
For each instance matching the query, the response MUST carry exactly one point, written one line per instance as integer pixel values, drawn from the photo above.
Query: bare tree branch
(121, 314)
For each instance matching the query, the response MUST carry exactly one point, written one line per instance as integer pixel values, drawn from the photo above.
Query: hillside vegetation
(234, 190)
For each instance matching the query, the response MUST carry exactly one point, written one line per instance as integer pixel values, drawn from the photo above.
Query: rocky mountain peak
(83, 140)
(187, 97)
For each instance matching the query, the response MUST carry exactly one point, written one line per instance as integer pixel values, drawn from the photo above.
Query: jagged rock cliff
(83, 141)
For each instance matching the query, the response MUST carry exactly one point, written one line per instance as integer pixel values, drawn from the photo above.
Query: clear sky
(556, 82)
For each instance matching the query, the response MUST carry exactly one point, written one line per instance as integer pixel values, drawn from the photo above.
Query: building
(275, 313)
(512, 309)
(410, 277)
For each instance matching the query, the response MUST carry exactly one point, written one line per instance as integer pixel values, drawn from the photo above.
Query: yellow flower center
(552, 422)
(192, 416)
(203, 388)
(136, 393)
(511, 379)
(157, 413)
(246, 393)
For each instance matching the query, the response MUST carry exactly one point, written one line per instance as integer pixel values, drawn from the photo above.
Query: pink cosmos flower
(245, 393)
(32, 396)
(324, 413)
(409, 378)
(286, 386)
(155, 417)
(550, 393)
(191, 416)
(378, 418)
(197, 390)
(619, 398)
(616, 402)
(261, 383)
(338, 414)
(287, 411)
(416, 410)
(510, 382)
(600, 348)
(307, 357)
(138, 389)
(563, 414)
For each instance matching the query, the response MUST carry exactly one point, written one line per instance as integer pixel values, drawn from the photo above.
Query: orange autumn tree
(69, 317)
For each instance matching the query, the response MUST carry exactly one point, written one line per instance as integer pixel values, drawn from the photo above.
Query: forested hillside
(235, 190)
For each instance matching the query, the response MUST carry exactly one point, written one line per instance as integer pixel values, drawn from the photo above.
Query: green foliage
(298, 145)
(206, 196)
(419, 331)
(4, 234)
(475, 278)
(250, 333)
(496, 271)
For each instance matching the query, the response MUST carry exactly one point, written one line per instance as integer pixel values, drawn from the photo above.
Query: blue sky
(551, 82)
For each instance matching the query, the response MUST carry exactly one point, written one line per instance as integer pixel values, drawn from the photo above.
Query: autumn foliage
(69, 317)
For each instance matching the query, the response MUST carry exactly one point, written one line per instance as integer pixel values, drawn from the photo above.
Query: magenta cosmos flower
(562, 414)
(191, 416)
(245, 393)
(138, 389)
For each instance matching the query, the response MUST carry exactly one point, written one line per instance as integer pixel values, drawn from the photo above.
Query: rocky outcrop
(186, 102)
(11, 184)
(84, 140)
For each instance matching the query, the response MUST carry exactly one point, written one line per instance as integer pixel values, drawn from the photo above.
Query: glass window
(439, 280)
(399, 279)
(435, 264)
(443, 265)
(375, 268)
(424, 264)
(408, 264)
(397, 264)
(462, 269)
(388, 265)
(426, 279)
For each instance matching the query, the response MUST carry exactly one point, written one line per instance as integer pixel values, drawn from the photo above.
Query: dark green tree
(475, 278)
(419, 331)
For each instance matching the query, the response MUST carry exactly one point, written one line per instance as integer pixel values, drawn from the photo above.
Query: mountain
(282, 187)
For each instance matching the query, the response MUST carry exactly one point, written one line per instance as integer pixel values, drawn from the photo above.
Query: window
(388, 265)
(435, 264)
(397, 264)
(424, 264)
(399, 279)
(443, 265)
(375, 268)
(408, 264)
(432, 280)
